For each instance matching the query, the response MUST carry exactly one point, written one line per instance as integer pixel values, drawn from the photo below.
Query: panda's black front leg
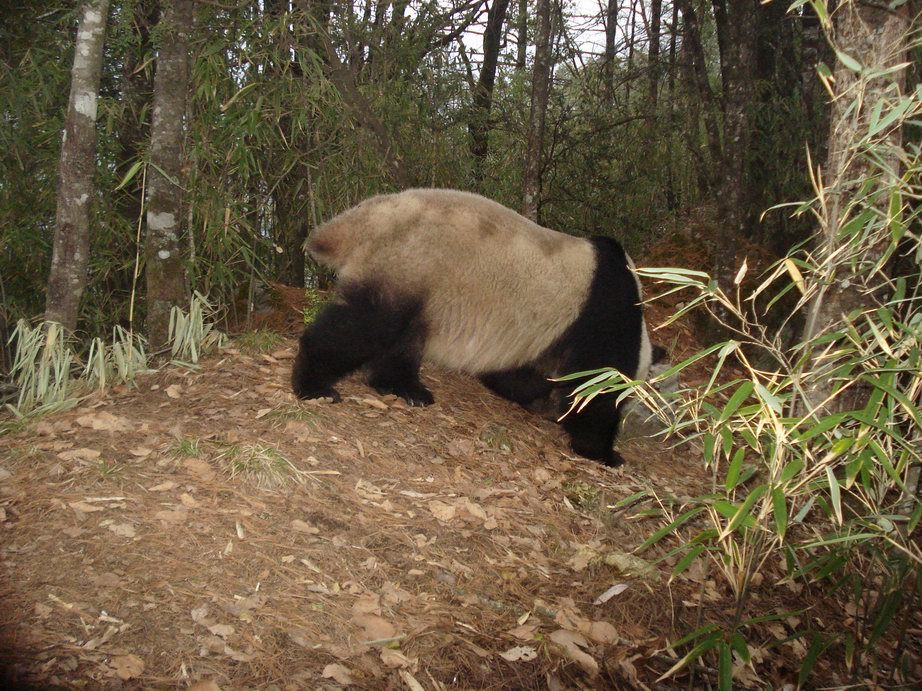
(398, 374)
(396, 370)
(329, 349)
(593, 430)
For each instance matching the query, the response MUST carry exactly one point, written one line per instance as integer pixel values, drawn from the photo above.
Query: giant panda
(459, 280)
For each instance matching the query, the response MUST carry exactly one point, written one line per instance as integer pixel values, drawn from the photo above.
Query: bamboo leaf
(662, 532)
(834, 494)
(733, 471)
(780, 510)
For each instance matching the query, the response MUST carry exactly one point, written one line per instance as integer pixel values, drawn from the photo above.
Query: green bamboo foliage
(42, 368)
(829, 489)
(192, 333)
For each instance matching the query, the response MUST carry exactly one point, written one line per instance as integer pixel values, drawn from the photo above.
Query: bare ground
(205, 527)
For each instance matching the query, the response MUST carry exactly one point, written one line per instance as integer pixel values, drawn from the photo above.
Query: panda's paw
(322, 392)
(416, 396)
(615, 460)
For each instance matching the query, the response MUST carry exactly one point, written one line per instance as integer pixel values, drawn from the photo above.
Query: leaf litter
(367, 543)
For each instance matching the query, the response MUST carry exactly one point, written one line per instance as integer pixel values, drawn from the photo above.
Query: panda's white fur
(460, 280)
(499, 288)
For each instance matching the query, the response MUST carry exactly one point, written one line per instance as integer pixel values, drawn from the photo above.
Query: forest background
(619, 119)
(771, 147)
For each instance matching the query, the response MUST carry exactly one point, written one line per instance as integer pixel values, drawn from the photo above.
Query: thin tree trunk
(289, 229)
(167, 284)
(540, 90)
(697, 74)
(70, 254)
(521, 46)
(630, 52)
(611, 34)
(734, 202)
(671, 196)
(656, 9)
(878, 37)
(479, 126)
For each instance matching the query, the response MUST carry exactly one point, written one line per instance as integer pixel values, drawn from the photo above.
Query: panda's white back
(498, 289)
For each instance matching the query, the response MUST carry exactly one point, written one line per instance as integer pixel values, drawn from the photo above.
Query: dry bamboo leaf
(410, 681)
(104, 421)
(127, 666)
(204, 685)
(375, 627)
(199, 468)
(570, 643)
(302, 527)
(122, 529)
(337, 673)
(367, 603)
(616, 589)
(442, 511)
(520, 653)
(602, 632)
(396, 660)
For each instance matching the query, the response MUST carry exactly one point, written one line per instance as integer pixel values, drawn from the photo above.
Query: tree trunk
(671, 196)
(608, 58)
(540, 90)
(630, 52)
(734, 203)
(167, 284)
(696, 75)
(289, 229)
(656, 9)
(878, 38)
(521, 47)
(70, 254)
(479, 127)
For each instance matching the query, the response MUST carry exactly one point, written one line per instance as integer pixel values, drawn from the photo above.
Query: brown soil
(131, 558)
(456, 546)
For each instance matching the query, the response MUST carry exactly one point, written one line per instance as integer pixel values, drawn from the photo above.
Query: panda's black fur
(456, 278)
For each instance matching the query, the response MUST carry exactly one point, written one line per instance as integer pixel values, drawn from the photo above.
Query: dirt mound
(207, 527)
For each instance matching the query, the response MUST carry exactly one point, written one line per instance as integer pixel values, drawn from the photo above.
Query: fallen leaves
(616, 589)
(127, 666)
(104, 421)
(338, 673)
(519, 653)
(571, 644)
(122, 529)
(375, 628)
(302, 527)
(442, 511)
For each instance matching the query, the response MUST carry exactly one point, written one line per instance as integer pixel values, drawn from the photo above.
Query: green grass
(581, 494)
(107, 469)
(294, 412)
(258, 341)
(188, 447)
(259, 463)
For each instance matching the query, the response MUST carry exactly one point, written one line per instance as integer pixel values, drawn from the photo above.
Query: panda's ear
(658, 355)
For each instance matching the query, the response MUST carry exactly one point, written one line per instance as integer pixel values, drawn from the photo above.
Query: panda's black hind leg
(592, 431)
(522, 385)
